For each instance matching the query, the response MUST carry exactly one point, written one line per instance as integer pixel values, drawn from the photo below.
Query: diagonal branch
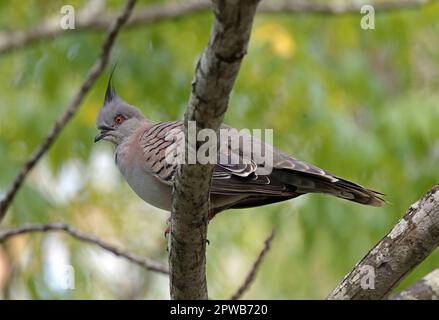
(252, 274)
(412, 240)
(62, 121)
(144, 262)
(99, 20)
(215, 75)
(425, 289)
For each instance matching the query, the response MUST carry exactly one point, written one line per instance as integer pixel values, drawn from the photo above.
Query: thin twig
(339, 8)
(144, 262)
(425, 289)
(155, 13)
(412, 239)
(252, 274)
(59, 125)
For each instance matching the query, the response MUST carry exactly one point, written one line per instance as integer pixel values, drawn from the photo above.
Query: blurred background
(363, 104)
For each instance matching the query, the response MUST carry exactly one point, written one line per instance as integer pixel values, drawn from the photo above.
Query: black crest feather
(110, 93)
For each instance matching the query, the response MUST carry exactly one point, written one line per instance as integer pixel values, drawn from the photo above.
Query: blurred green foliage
(362, 104)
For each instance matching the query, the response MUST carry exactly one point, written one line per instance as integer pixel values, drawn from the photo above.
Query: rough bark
(425, 289)
(412, 239)
(215, 75)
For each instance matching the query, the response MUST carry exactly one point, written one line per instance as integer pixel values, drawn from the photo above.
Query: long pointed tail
(353, 192)
(311, 183)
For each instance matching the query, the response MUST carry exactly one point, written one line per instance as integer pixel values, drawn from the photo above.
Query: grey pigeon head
(116, 119)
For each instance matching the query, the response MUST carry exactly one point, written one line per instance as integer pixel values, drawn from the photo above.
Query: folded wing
(289, 177)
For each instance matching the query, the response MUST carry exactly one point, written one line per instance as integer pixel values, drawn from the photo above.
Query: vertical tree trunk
(215, 75)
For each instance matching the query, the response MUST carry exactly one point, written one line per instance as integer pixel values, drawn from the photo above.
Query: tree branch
(146, 263)
(414, 237)
(62, 121)
(425, 289)
(215, 75)
(154, 13)
(338, 8)
(252, 274)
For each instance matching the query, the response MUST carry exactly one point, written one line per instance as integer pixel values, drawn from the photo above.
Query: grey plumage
(140, 153)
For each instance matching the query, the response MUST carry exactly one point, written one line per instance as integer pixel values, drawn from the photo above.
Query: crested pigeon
(141, 158)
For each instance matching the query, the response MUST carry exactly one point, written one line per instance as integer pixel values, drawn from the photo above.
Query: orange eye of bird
(119, 119)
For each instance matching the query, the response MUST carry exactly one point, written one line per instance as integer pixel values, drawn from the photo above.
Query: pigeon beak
(101, 135)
